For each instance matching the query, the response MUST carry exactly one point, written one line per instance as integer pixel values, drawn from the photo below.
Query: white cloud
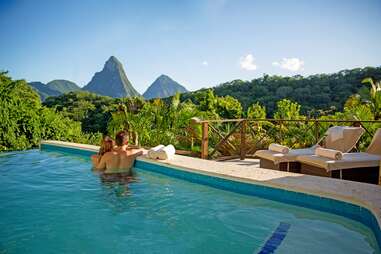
(205, 63)
(275, 64)
(247, 63)
(291, 64)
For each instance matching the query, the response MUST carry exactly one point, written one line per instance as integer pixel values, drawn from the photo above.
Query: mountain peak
(112, 64)
(163, 87)
(163, 76)
(113, 58)
(111, 81)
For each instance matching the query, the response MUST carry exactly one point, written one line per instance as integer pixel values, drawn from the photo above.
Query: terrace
(232, 139)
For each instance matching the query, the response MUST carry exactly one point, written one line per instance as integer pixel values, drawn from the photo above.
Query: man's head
(121, 138)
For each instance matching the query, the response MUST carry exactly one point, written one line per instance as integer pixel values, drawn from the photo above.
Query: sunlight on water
(54, 203)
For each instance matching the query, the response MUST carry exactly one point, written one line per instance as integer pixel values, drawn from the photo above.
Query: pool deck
(363, 194)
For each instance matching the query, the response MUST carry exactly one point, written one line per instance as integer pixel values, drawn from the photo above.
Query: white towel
(166, 152)
(278, 148)
(329, 153)
(153, 152)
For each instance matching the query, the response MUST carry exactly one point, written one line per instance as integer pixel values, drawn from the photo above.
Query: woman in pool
(117, 165)
(106, 146)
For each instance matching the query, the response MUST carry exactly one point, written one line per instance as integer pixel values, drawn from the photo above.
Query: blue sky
(198, 43)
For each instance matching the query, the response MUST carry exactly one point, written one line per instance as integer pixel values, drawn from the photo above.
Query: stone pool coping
(362, 194)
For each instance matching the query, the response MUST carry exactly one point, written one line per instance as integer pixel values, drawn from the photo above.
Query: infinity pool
(54, 203)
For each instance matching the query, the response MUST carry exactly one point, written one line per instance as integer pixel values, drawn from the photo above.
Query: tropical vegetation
(25, 121)
(315, 93)
(82, 116)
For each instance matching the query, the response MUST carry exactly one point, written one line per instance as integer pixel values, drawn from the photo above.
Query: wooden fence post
(204, 141)
(243, 140)
(316, 131)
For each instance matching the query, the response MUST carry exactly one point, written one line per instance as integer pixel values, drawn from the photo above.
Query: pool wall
(339, 207)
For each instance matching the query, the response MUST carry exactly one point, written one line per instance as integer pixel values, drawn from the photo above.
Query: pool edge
(362, 203)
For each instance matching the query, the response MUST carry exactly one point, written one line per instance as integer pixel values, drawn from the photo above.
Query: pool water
(54, 203)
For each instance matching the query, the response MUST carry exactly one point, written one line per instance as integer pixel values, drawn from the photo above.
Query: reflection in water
(73, 209)
(118, 182)
(117, 178)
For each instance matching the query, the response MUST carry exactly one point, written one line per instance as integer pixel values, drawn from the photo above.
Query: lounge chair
(361, 167)
(341, 138)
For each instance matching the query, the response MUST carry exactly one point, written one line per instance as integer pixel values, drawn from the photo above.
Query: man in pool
(121, 159)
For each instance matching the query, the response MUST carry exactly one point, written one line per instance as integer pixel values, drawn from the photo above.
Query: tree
(315, 92)
(19, 105)
(256, 111)
(353, 101)
(207, 101)
(93, 111)
(375, 95)
(24, 121)
(229, 107)
(287, 109)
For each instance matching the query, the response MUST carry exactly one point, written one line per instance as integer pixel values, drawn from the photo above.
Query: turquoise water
(54, 203)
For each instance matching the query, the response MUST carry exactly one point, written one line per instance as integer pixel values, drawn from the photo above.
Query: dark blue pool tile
(266, 251)
(276, 238)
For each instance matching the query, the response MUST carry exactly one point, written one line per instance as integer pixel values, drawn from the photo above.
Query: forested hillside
(92, 110)
(314, 93)
(24, 121)
(83, 116)
(63, 86)
(54, 88)
(43, 90)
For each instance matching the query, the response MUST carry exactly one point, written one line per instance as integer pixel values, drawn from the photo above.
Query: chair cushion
(349, 160)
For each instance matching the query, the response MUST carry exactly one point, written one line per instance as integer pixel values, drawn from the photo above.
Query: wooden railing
(243, 137)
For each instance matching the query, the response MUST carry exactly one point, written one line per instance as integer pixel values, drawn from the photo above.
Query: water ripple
(55, 203)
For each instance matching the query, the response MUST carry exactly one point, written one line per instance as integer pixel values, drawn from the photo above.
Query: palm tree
(375, 95)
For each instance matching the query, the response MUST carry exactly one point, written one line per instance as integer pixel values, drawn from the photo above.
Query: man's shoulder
(109, 154)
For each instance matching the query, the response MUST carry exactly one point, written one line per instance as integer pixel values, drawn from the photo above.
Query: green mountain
(315, 92)
(54, 88)
(111, 81)
(43, 90)
(163, 87)
(63, 86)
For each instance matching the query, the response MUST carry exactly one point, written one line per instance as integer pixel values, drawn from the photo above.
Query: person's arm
(137, 153)
(102, 163)
(131, 159)
(134, 152)
(94, 160)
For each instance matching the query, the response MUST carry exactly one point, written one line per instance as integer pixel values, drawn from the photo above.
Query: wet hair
(121, 138)
(106, 146)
